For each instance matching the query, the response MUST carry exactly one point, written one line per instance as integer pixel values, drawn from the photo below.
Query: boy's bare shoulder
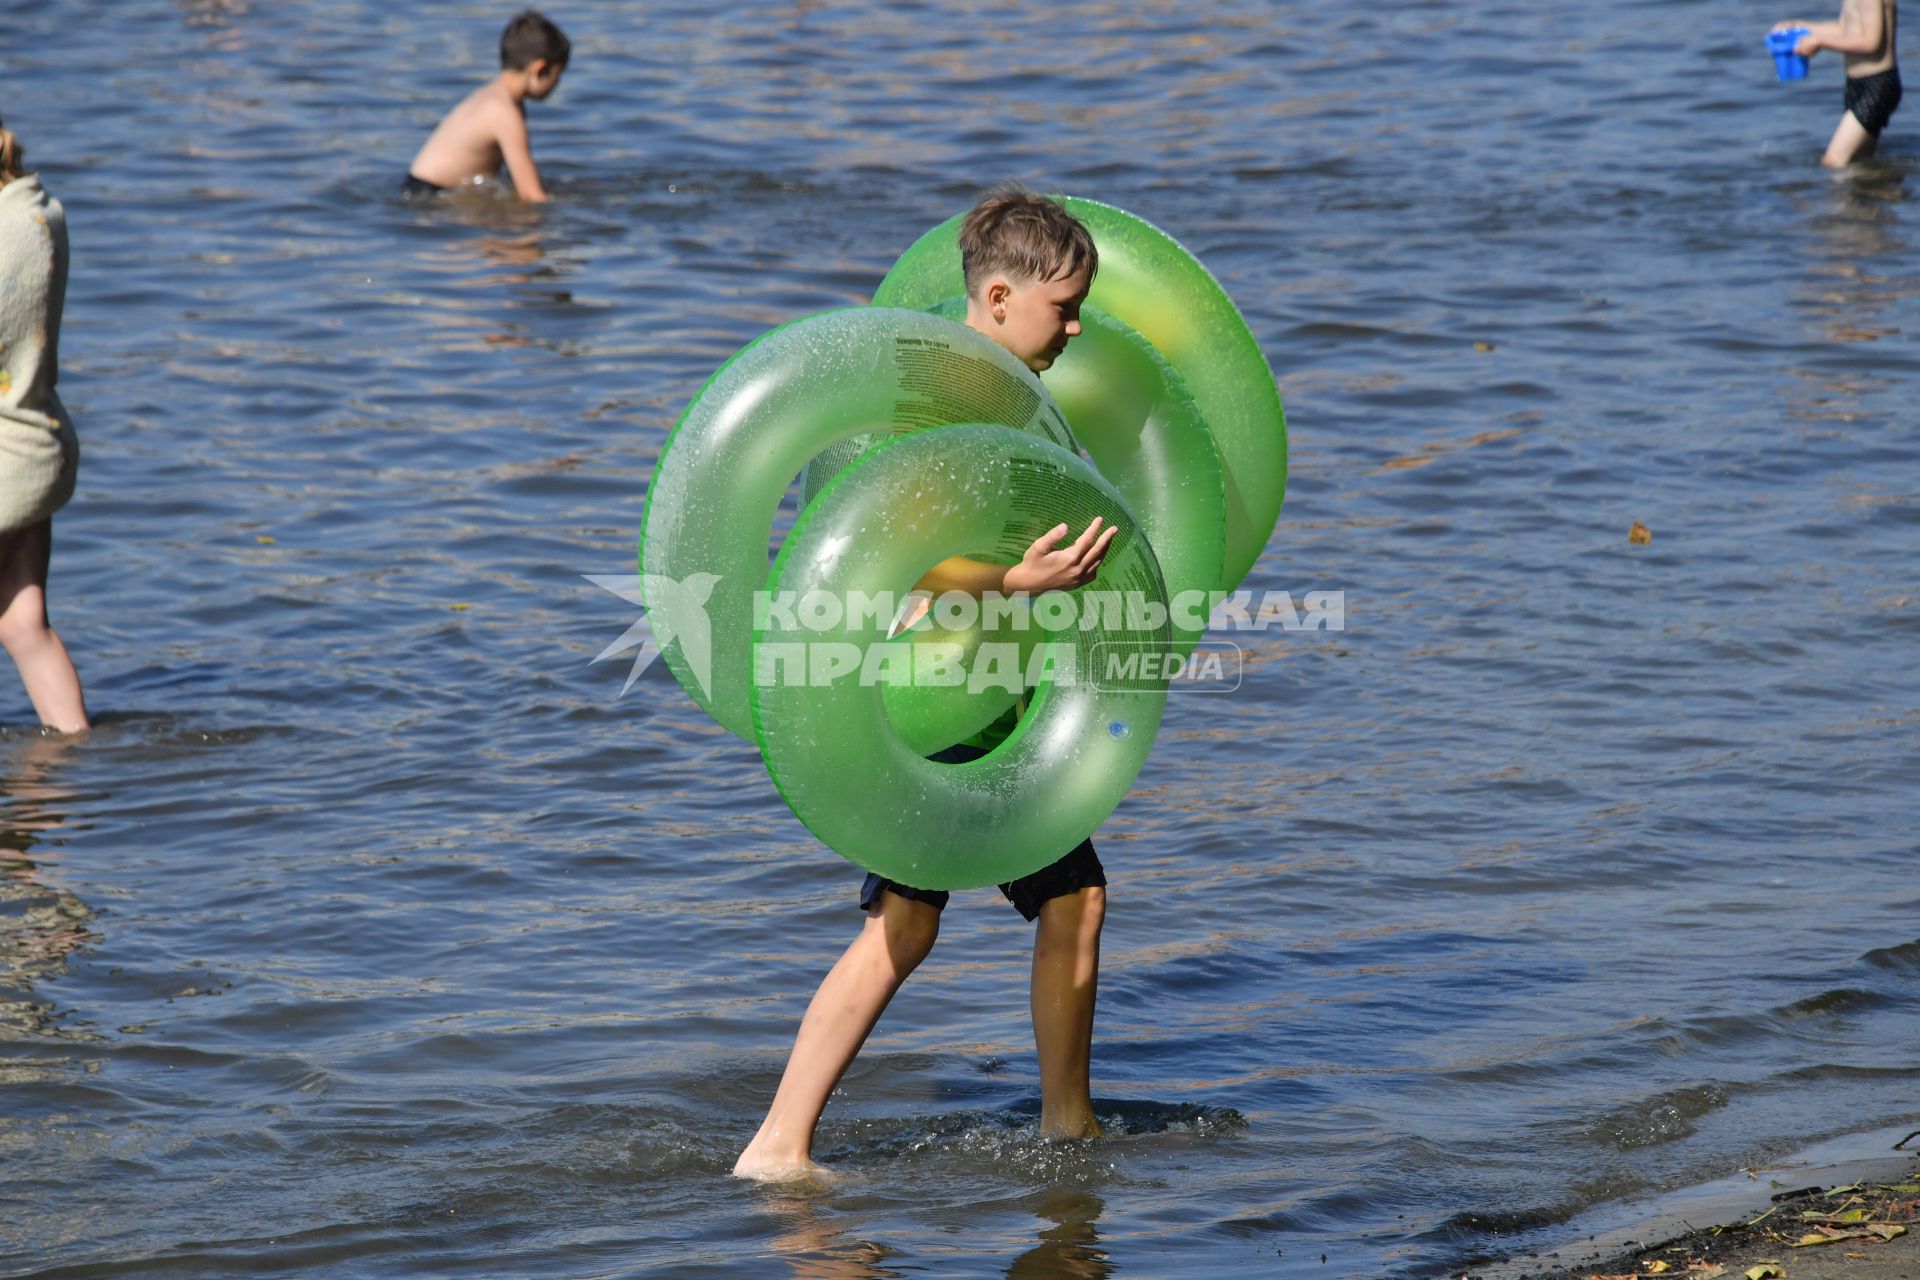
(497, 112)
(467, 142)
(489, 103)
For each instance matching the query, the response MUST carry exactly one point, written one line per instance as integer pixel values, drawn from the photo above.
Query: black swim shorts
(1872, 99)
(414, 187)
(1079, 869)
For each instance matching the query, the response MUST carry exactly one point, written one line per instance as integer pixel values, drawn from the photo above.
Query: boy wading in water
(1865, 33)
(489, 128)
(1028, 265)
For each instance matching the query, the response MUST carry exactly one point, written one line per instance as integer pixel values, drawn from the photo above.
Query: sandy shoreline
(1857, 1192)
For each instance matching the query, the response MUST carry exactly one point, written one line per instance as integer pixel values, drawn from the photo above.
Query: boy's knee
(23, 623)
(1093, 906)
(910, 928)
(1082, 911)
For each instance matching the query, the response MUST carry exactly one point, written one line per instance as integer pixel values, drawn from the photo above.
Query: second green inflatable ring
(820, 716)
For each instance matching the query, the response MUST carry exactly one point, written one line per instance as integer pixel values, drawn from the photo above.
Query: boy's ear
(995, 296)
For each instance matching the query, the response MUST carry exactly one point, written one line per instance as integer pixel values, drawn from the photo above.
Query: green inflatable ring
(1153, 284)
(753, 427)
(819, 712)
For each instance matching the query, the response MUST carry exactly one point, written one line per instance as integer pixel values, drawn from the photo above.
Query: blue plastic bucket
(1787, 64)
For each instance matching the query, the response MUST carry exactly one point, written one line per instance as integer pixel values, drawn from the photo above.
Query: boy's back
(471, 139)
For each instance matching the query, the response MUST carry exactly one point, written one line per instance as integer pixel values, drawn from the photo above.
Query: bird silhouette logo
(676, 611)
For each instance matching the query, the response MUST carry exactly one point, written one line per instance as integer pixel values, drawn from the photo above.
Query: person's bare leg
(45, 668)
(897, 936)
(1850, 142)
(1066, 975)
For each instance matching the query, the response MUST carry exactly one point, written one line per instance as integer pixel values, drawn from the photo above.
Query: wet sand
(1852, 1220)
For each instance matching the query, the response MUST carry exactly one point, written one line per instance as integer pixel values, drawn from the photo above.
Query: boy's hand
(1808, 45)
(1049, 567)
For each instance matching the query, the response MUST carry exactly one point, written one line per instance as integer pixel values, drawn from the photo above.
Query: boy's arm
(516, 148)
(1045, 567)
(958, 573)
(1857, 31)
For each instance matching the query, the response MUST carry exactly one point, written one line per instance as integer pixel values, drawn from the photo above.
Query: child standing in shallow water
(39, 453)
(1028, 265)
(489, 128)
(1864, 32)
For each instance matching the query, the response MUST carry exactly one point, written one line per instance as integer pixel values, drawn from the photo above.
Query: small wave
(1664, 1117)
(1141, 1117)
(1828, 1071)
(1841, 1000)
(1904, 958)
(1679, 1036)
(1504, 1222)
(1010, 1138)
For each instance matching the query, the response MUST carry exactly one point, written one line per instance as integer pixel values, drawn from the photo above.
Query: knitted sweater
(38, 451)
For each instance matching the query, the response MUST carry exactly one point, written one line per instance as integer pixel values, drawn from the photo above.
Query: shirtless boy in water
(1865, 33)
(490, 127)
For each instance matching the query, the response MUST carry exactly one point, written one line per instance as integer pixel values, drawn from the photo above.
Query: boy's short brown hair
(528, 36)
(1023, 236)
(13, 156)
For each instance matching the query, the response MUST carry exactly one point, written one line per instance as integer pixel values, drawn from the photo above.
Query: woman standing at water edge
(39, 452)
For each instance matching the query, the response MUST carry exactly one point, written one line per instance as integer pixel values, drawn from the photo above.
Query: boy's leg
(45, 668)
(1066, 975)
(1850, 142)
(897, 936)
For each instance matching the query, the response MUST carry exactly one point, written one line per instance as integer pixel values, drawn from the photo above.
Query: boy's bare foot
(1080, 1124)
(764, 1166)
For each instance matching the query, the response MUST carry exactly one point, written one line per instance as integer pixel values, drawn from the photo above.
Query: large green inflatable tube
(1153, 284)
(739, 445)
(821, 719)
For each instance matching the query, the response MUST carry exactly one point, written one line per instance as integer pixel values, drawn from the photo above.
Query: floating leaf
(1639, 535)
(459, 608)
(1483, 347)
(1766, 1271)
(265, 540)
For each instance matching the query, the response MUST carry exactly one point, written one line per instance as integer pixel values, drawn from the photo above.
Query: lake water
(372, 933)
